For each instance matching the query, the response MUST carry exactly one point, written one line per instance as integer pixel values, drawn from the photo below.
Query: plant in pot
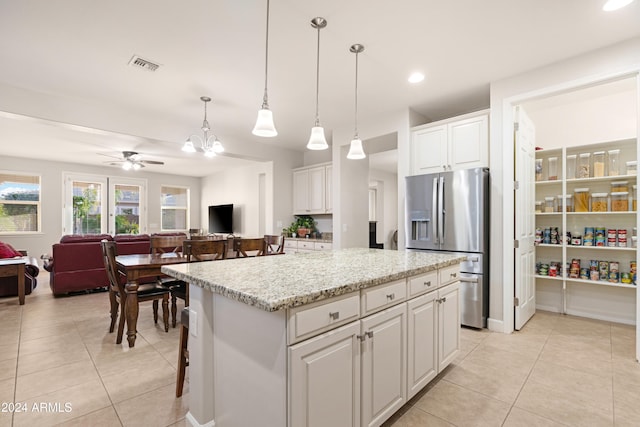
(304, 225)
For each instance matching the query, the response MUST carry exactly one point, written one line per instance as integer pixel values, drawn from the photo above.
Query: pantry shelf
(599, 283)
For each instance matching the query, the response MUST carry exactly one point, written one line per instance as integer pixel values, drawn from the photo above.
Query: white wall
(351, 183)
(585, 69)
(52, 197)
(387, 186)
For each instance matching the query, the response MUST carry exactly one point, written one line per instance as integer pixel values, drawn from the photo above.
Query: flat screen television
(221, 219)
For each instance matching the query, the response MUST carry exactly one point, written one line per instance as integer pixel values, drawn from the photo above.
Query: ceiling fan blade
(151, 162)
(110, 156)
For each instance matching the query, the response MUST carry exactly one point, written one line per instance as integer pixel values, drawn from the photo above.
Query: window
(87, 207)
(19, 203)
(175, 208)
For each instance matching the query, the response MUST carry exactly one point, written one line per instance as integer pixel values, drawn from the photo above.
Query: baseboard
(495, 325)
(193, 423)
(606, 318)
(549, 308)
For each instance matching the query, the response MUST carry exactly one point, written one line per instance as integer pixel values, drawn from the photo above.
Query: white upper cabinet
(312, 190)
(457, 143)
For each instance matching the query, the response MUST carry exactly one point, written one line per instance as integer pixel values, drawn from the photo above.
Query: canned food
(625, 278)
(594, 275)
(603, 269)
(576, 240)
(584, 273)
(613, 277)
(612, 233)
(614, 266)
(611, 242)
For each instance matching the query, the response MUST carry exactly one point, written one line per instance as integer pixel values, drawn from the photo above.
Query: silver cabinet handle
(391, 296)
(369, 334)
(453, 275)
(334, 315)
(427, 283)
(364, 336)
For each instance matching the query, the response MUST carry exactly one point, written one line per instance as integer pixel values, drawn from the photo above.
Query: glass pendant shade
(355, 150)
(317, 141)
(188, 146)
(264, 124)
(217, 146)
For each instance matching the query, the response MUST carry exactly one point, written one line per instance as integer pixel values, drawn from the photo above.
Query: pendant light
(264, 124)
(355, 150)
(317, 140)
(210, 145)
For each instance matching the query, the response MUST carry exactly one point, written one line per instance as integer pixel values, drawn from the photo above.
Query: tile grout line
(15, 381)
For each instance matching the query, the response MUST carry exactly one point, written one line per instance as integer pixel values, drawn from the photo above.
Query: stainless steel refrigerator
(449, 212)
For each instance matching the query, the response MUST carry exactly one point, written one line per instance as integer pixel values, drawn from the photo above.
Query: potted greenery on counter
(302, 226)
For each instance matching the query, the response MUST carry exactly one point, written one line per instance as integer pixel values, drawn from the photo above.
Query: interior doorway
(382, 154)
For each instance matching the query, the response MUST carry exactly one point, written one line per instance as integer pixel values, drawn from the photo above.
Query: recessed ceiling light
(416, 77)
(611, 5)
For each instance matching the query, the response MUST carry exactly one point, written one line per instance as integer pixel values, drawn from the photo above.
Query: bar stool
(183, 351)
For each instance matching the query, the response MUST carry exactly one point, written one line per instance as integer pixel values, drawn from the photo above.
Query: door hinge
(516, 126)
(516, 244)
(516, 185)
(516, 302)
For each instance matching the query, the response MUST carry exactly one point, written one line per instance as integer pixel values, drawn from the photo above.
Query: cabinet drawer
(305, 245)
(449, 274)
(374, 299)
(291, 244)
(323, 246)
(310, 320)
(423, 283)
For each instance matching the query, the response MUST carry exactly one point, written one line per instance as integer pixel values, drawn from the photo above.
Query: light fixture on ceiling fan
(317, 141)
(264, 124)
(208, 143)
(355, 149)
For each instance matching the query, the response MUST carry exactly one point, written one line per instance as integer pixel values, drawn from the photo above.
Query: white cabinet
(292, 246)
(448, 324)
(457, 143)
(370, 367)
(383, 364)
(433, 325)
(328, 187)
(325, 379)
(311, 191)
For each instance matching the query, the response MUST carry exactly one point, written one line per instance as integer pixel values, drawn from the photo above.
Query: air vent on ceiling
(145, 64)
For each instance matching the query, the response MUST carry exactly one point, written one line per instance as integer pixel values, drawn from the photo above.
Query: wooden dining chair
(245, 246)
(166, 244)
(274, 244)
(194, 251)
(153, 291)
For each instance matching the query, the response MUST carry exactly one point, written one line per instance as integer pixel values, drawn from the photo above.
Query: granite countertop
(278, 282)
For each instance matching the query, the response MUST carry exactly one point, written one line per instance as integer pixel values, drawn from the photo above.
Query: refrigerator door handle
(434, 207)
(441, 211)
(468, 280)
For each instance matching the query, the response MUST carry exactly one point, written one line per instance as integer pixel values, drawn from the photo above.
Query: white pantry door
(525, 284)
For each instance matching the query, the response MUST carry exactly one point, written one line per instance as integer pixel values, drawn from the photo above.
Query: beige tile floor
(559, 370)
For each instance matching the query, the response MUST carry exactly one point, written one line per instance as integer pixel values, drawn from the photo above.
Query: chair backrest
(166, 244)
(274, 244)
(204, 250)
(109, 253)
(242, 246)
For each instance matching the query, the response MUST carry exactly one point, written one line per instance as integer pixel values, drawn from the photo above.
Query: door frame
(508, 166)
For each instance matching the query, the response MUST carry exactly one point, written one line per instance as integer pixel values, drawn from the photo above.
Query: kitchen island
(288, 340)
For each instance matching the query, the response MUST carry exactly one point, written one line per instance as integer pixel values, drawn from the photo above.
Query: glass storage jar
(598, 164)
(539, 206)
(571, 166)
(583, 165)
(620, 201)
(553, 169)
(614, 162)
(618, 186)
(581, 200)
(568, 203)
(632, 167)
(634, 198)
(599, 202)
(538, 169)
(549, 205)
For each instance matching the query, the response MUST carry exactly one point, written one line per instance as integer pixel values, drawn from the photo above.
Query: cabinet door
(383, 364)
(448, 324)
(422, 342)
(324, 379)
(469, 143)
(316, 189)
(429, 150)
(301, 192)
(328, 202)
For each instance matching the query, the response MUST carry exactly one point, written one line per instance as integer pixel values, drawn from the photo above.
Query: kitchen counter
(275, 283)
(266, 331)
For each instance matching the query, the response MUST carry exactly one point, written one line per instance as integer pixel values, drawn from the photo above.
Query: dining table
(136, 267)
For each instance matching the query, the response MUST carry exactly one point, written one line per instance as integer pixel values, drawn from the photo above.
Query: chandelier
(209, 144)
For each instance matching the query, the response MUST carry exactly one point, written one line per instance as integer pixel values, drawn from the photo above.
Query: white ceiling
(65, 63)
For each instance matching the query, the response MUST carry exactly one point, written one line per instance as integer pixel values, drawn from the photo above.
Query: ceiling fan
(132, 160)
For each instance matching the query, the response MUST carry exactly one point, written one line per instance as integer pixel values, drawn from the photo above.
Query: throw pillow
(7, 251)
